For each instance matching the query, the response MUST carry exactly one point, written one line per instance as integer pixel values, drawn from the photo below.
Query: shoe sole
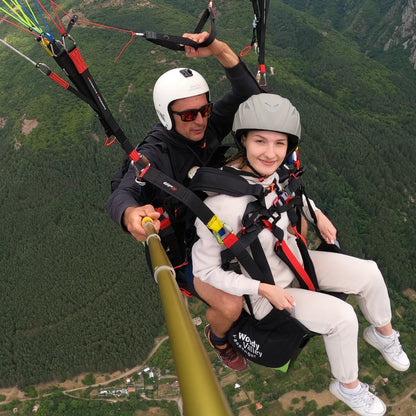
(381, 351)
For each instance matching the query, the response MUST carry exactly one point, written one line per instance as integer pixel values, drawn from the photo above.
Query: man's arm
(243, 83)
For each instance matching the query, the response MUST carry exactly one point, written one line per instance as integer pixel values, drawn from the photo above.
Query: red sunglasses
(191, 115)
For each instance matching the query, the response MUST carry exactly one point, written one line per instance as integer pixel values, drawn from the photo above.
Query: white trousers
(335, 319)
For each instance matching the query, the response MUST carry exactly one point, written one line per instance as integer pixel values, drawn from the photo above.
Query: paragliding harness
(175, 242)
(276, 339)
(177, 231)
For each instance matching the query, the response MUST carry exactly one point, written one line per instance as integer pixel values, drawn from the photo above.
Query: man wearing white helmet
(190, 132)
(267, 130)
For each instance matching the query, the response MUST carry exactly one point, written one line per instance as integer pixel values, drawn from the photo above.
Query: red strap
(262, 69)
(59, 80)
(294, 261)
(78, 60)
(185, 263)
(299, 235)
(165, 223)
(144, 171)
(134, 155)
(186, 292)
(267, 224)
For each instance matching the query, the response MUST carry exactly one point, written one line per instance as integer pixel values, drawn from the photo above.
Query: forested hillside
(383, 29)
(75, 291)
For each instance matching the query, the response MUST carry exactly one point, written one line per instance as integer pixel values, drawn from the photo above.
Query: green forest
(76, 295)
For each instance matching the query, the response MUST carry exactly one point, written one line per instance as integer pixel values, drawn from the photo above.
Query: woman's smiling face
(266, 150)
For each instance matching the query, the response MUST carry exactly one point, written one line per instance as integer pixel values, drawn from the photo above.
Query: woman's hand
(277, 296)
(326, 228)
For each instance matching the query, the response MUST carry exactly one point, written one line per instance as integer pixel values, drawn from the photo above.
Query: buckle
(221, 234)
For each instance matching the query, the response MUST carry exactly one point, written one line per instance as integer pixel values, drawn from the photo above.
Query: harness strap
(247, 236)
(74, 65)
(307, 261)
(305, 274)
(204, 213)
(239, 251)
(291, 204)
(334, 247)
(261, 260)
(180, 192)
(285, 254)
(223, 181)
(236, 245)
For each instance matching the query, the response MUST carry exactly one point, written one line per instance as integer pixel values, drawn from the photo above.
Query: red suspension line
(86, 22)
(20, 27)
(59, 27)
(57, 16)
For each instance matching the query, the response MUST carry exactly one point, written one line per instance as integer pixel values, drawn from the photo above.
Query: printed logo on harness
(168, 185)
(248, 345)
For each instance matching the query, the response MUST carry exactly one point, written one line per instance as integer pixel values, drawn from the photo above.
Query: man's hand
(219, 49)
(132, 220)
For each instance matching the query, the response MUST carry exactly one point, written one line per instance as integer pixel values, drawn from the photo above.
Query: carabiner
(43, 68)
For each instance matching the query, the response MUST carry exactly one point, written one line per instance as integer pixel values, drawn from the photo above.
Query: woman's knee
(345, 319)
(372, 280)
(375, 273)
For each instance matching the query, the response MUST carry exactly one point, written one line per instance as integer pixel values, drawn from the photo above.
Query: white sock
(385, 337)
(346, 390)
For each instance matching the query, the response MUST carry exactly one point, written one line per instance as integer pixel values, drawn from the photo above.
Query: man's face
(192, 130)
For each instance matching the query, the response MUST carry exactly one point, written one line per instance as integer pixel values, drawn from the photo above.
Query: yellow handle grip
(145, 220)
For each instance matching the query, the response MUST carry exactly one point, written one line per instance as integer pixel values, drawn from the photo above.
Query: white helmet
(173, 85)
(268, 112)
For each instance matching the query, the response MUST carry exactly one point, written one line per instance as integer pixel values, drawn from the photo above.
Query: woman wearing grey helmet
(270, 113)
(267, 130)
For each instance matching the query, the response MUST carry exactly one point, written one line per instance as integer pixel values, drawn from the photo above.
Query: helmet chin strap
(247, 163)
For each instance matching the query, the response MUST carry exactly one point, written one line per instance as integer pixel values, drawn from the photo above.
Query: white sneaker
(391, 350)
(364, 403)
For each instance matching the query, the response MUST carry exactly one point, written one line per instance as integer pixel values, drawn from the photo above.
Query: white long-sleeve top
(206, 252)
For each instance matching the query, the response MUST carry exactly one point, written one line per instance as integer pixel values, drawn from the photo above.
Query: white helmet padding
(173, 85)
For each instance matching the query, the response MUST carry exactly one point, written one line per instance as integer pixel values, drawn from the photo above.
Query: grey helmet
(173, 85)
(268, 112)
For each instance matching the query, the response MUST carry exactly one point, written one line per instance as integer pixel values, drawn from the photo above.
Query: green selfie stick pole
(200, 390)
